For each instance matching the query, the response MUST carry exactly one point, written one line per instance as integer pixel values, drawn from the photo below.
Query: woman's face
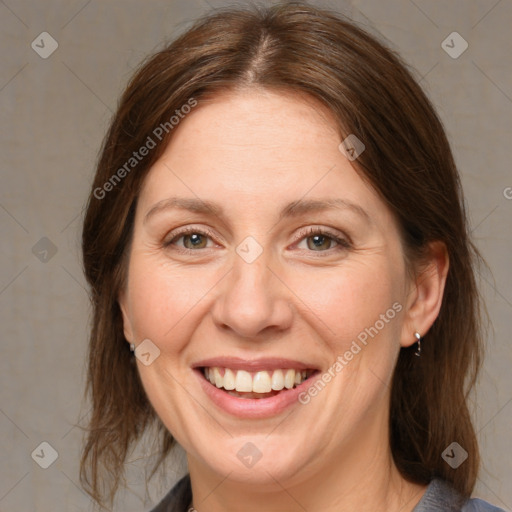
(259, 249)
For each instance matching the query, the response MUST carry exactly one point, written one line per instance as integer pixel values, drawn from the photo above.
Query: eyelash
(343, 243)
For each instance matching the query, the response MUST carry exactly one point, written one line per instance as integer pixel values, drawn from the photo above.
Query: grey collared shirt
(441, 497)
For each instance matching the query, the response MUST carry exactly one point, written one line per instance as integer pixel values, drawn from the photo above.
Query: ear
(426, 294)
(127, 325)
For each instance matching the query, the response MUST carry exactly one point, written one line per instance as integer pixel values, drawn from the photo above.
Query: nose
(252, 302)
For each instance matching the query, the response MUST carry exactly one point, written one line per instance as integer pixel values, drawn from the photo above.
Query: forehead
(257, 149)
(278, 127)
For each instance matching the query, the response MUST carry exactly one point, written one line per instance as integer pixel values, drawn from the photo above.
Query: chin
(257, 459)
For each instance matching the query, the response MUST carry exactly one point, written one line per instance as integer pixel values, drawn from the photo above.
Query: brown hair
(293, 47)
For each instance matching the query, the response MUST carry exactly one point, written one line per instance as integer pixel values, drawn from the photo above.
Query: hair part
(294, 48)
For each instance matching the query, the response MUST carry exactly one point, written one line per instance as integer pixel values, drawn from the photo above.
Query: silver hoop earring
(418, 341)
(132, 347)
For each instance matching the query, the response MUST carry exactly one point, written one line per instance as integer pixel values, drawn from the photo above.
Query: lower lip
(253, 407)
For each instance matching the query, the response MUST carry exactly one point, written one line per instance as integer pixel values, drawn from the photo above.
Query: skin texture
(253, 152)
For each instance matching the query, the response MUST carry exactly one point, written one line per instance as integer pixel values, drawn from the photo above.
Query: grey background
(54, 114)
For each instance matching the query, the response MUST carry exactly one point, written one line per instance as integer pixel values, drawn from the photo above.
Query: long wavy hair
(292, 47)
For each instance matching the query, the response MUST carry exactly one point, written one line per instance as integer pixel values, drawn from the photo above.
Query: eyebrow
(293, 209)
(301, 206)
(181, 203)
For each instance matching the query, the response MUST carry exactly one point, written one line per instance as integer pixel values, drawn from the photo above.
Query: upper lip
(255, 365)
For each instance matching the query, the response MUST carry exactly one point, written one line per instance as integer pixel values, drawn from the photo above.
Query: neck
(391, 493)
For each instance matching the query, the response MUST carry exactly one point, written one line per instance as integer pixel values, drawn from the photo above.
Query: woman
(282, 276)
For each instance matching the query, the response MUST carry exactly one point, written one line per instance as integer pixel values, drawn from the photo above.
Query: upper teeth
(257, 382)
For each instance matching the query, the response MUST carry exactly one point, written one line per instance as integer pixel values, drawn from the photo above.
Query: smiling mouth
(261, 384)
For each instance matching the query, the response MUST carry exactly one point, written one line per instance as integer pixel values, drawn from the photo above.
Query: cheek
(162, 303)
(357, 301)
(163, 296)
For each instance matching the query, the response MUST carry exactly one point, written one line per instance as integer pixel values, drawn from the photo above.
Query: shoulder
(177, 499)
(441, 496)
(477, 505)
